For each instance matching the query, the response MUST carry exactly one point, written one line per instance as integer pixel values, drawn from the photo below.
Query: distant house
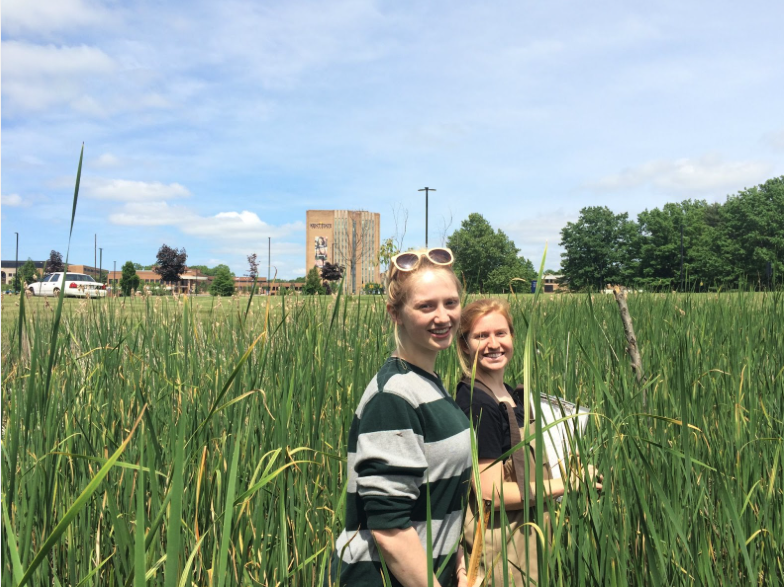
(551, 284)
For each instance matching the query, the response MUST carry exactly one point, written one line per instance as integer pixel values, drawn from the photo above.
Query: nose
(441, 315)
(492, 342)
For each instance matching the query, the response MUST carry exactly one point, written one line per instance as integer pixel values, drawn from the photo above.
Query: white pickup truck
(75, 284)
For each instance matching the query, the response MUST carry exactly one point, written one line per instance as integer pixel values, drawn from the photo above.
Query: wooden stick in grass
(631, 339)
(479, 542)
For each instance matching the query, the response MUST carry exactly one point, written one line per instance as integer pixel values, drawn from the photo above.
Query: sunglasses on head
(410, 260)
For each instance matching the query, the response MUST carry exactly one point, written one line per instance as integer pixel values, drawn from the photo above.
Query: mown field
(164, 442)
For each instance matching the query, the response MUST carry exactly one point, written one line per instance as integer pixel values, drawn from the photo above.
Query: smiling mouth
(493, 355)
(441, 331)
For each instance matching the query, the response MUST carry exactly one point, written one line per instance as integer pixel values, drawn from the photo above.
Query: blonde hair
(471, 313)
(398, 283)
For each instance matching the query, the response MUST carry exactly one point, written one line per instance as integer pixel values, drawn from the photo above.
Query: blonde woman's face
(428, 321)
(490, 343)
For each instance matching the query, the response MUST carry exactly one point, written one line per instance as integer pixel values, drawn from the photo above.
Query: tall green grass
(236, 473)
(175, 442)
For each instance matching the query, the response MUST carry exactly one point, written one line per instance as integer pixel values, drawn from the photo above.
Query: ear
(394, 315)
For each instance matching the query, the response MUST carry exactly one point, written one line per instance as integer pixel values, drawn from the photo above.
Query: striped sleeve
(390, 461)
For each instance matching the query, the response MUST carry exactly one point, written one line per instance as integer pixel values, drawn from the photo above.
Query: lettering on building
(320, 225)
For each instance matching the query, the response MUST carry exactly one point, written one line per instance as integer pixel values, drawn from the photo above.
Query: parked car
(76, 285)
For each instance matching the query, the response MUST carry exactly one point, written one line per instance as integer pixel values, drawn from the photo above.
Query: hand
(462, 576)
(593, 476)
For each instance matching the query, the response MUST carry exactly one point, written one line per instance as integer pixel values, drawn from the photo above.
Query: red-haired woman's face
(492, 339)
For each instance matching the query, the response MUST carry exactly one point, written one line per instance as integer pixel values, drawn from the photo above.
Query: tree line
(693, 245)
(690, 245)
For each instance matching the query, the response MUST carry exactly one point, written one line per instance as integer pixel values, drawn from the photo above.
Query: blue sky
(215, 125)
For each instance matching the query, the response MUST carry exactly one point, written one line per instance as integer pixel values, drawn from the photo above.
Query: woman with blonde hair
(497, 411)
(409, 442)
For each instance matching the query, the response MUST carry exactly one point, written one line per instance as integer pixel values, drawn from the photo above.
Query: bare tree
(445, 226)
(354, 247)
(400, 217)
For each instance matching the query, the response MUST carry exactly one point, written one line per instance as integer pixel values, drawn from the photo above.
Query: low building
(8, 269)
(188, 283)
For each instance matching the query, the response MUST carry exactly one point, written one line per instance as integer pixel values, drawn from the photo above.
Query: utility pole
(427, 190)
(269, 263)
(95, 253)
(16, 271)
(100, 265)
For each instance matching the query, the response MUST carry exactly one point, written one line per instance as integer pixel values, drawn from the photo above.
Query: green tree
(209, 271)
(313, 283)
(599, 249)
(373, 288)
(515, 275)
(752, 233)
(386, 251)
(487, 260)
(660, 245)
(28, 273)
(129, 281)
(223, 284)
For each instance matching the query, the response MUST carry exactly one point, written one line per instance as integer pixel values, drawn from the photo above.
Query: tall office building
(346, 238)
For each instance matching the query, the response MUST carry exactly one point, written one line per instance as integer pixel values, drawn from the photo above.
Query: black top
(493, 437)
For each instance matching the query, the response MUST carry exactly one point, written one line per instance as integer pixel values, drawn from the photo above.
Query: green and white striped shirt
(406, 432)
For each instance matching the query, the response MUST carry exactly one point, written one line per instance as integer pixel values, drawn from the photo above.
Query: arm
(493, 477)
(404, 556)
(390, 468)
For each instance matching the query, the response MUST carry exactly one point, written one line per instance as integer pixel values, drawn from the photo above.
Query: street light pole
(100, 265)
(427, 190)
(95, 253)
(16, 271)
(269, 263)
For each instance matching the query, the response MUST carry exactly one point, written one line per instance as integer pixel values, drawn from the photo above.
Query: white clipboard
(557, 446)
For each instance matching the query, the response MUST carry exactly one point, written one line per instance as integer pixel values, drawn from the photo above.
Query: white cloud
(237, 226)
(124, 190)
(45, 16)
(228, 231)
(277, 44)
(230, 234)
(36, 77)
(12, 200)
(707, 174)
(106, 160)
(150, 214)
